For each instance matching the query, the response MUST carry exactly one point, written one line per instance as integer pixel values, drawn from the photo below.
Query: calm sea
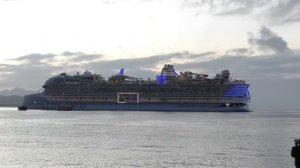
(147, 139)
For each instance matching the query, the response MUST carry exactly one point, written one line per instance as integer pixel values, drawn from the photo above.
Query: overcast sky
(258, 41)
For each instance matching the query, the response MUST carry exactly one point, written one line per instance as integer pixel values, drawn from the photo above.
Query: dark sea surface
(258, 139)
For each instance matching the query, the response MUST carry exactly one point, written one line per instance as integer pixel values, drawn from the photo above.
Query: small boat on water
(22, 108)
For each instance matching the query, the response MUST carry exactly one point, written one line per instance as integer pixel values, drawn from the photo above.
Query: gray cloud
(271, 11)
(70, 58)
(268, 40)
(239, 51)
(225, 7)
(33, 58)
(237, 7)
(86, 57)
(285, 11)
(68, 53)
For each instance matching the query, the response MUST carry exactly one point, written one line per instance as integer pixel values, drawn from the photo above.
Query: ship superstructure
(186, 91)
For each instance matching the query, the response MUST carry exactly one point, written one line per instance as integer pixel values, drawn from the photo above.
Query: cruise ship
(170, 91)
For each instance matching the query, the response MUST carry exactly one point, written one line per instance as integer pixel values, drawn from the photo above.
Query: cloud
(271, 11)
(33, 58)
(65, 58)
(239, 51)
(237, 7)
(285, 11)
(225, 7)
(79, 58)
(268, 40)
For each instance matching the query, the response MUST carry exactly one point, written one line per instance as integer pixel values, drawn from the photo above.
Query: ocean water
(37, 138)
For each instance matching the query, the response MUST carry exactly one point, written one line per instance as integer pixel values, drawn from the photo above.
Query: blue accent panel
(238, 90)
(161, 79)
(122, 71)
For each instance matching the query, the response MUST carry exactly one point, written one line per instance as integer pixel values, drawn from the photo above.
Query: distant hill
(14, 97)
(11, 101)
(17, 91)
